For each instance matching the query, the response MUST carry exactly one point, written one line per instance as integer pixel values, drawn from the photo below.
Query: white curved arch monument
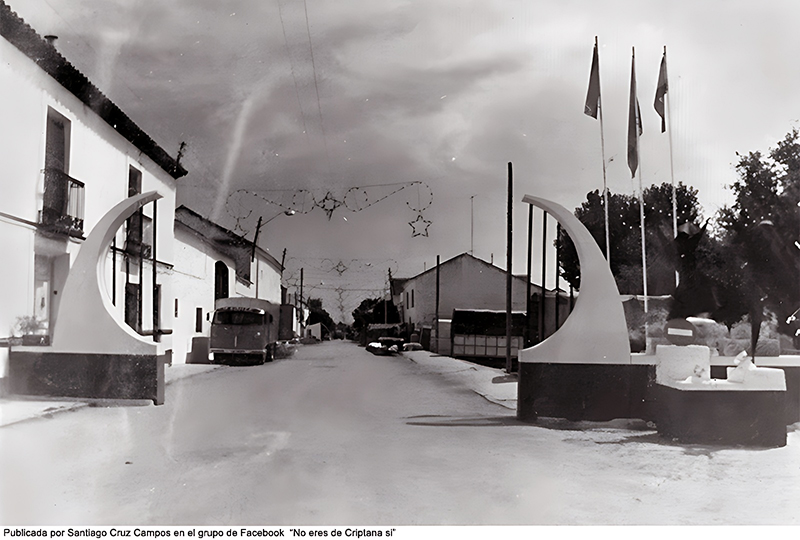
(583, 371)
(87, 321)
(93, 353)
(595, 331)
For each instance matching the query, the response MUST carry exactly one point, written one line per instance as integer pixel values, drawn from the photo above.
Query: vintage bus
(244, 331)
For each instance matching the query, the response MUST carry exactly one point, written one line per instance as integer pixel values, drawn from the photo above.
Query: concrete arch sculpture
(93, 353)
(595, 332)
(87, 321)
(583, 371)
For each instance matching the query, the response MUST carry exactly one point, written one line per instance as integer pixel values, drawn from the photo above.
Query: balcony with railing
(63, 204)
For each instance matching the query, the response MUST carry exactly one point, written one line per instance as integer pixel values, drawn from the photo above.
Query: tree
(318, 315)
(762, 227)
(625, 236)
(371, 311)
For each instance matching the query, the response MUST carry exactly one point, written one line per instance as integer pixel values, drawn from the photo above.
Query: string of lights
(241, 204)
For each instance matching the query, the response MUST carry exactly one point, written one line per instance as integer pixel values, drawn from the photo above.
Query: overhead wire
(316, 88)
(291, 67)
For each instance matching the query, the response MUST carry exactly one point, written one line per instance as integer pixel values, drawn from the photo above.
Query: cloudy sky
(421, 105)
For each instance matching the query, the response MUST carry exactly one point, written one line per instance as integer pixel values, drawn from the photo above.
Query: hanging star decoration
(241, 204)
(423, 229)
(340, 268)
(329, 204)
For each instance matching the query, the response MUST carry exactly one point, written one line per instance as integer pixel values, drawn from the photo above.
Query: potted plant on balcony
(32, 331)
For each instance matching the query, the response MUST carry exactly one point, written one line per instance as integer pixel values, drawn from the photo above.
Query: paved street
(338, 436)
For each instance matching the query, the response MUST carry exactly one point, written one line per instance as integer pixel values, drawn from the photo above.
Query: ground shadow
(631, 431)
(472, 421)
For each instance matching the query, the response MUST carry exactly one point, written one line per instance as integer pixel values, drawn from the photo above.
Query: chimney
(51, 39)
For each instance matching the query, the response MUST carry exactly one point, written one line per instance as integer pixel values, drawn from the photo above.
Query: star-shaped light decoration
(329, 203)
(340, 267)
(423, 231)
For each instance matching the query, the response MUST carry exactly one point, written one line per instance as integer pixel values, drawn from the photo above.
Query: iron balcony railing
(63, 204)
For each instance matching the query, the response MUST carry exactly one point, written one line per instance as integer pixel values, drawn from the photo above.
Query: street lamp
(286, 213)
(258, 229)
(255, 240)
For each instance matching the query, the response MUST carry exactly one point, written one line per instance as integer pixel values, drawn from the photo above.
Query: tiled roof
(17, 32)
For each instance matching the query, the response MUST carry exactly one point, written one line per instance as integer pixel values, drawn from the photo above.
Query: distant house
(212, 262)
(466, 283)
(70, 157)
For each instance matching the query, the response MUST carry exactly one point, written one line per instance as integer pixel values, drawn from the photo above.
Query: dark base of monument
(603, 392)
(593, 392)
(752, 418)
(90, 376)
(792, 374)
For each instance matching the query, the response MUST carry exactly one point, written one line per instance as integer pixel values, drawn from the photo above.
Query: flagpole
(634, 130)
(644, 252)
(603, 155)
(594, 109)
(671, 167)
(661, 105)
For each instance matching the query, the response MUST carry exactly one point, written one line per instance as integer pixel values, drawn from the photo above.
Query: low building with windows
(74, 164)
(467, 283)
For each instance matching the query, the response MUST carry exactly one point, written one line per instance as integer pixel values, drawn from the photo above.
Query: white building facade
(69, 156)
(465, 282)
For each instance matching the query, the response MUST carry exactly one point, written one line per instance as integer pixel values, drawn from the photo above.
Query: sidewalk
(15, 409)
(493, 384)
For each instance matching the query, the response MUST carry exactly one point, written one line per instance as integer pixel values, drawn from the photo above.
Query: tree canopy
(762, 227)
(371, 311)
(625, 236)
(317, 314)
(749, 258)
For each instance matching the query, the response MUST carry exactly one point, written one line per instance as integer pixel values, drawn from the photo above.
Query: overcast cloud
(445, 92)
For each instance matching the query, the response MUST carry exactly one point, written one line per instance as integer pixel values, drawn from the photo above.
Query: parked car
(385, 346)
(243, 331)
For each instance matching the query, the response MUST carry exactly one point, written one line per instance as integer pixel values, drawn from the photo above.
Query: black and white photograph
(398, 268)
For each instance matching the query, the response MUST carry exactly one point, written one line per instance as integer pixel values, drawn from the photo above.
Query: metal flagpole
(661, 105)
(671, 165)
(634, 130)
(594, 108)
(644, 252)
(605, 181)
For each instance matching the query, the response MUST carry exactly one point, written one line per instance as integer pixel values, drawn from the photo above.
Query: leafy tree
(762, 227)
(625, 236)
(371, 311)
(318, 315)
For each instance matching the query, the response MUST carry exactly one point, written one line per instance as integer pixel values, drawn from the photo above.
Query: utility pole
(528, 279)
(472, 225)
(558, 262)
(437, 303)
(509, 227)
(386, 302)
(255, 239)
(302, 313)
(544, 278)
(156, 295)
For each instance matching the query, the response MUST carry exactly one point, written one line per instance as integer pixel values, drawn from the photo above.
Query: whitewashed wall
(464, 283)
(98, 156)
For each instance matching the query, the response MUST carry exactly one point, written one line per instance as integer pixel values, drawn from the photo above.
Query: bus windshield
(238, 317)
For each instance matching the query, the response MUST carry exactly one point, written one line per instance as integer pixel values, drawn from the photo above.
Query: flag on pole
(593, 94)
(634, 122)
(661, 89)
